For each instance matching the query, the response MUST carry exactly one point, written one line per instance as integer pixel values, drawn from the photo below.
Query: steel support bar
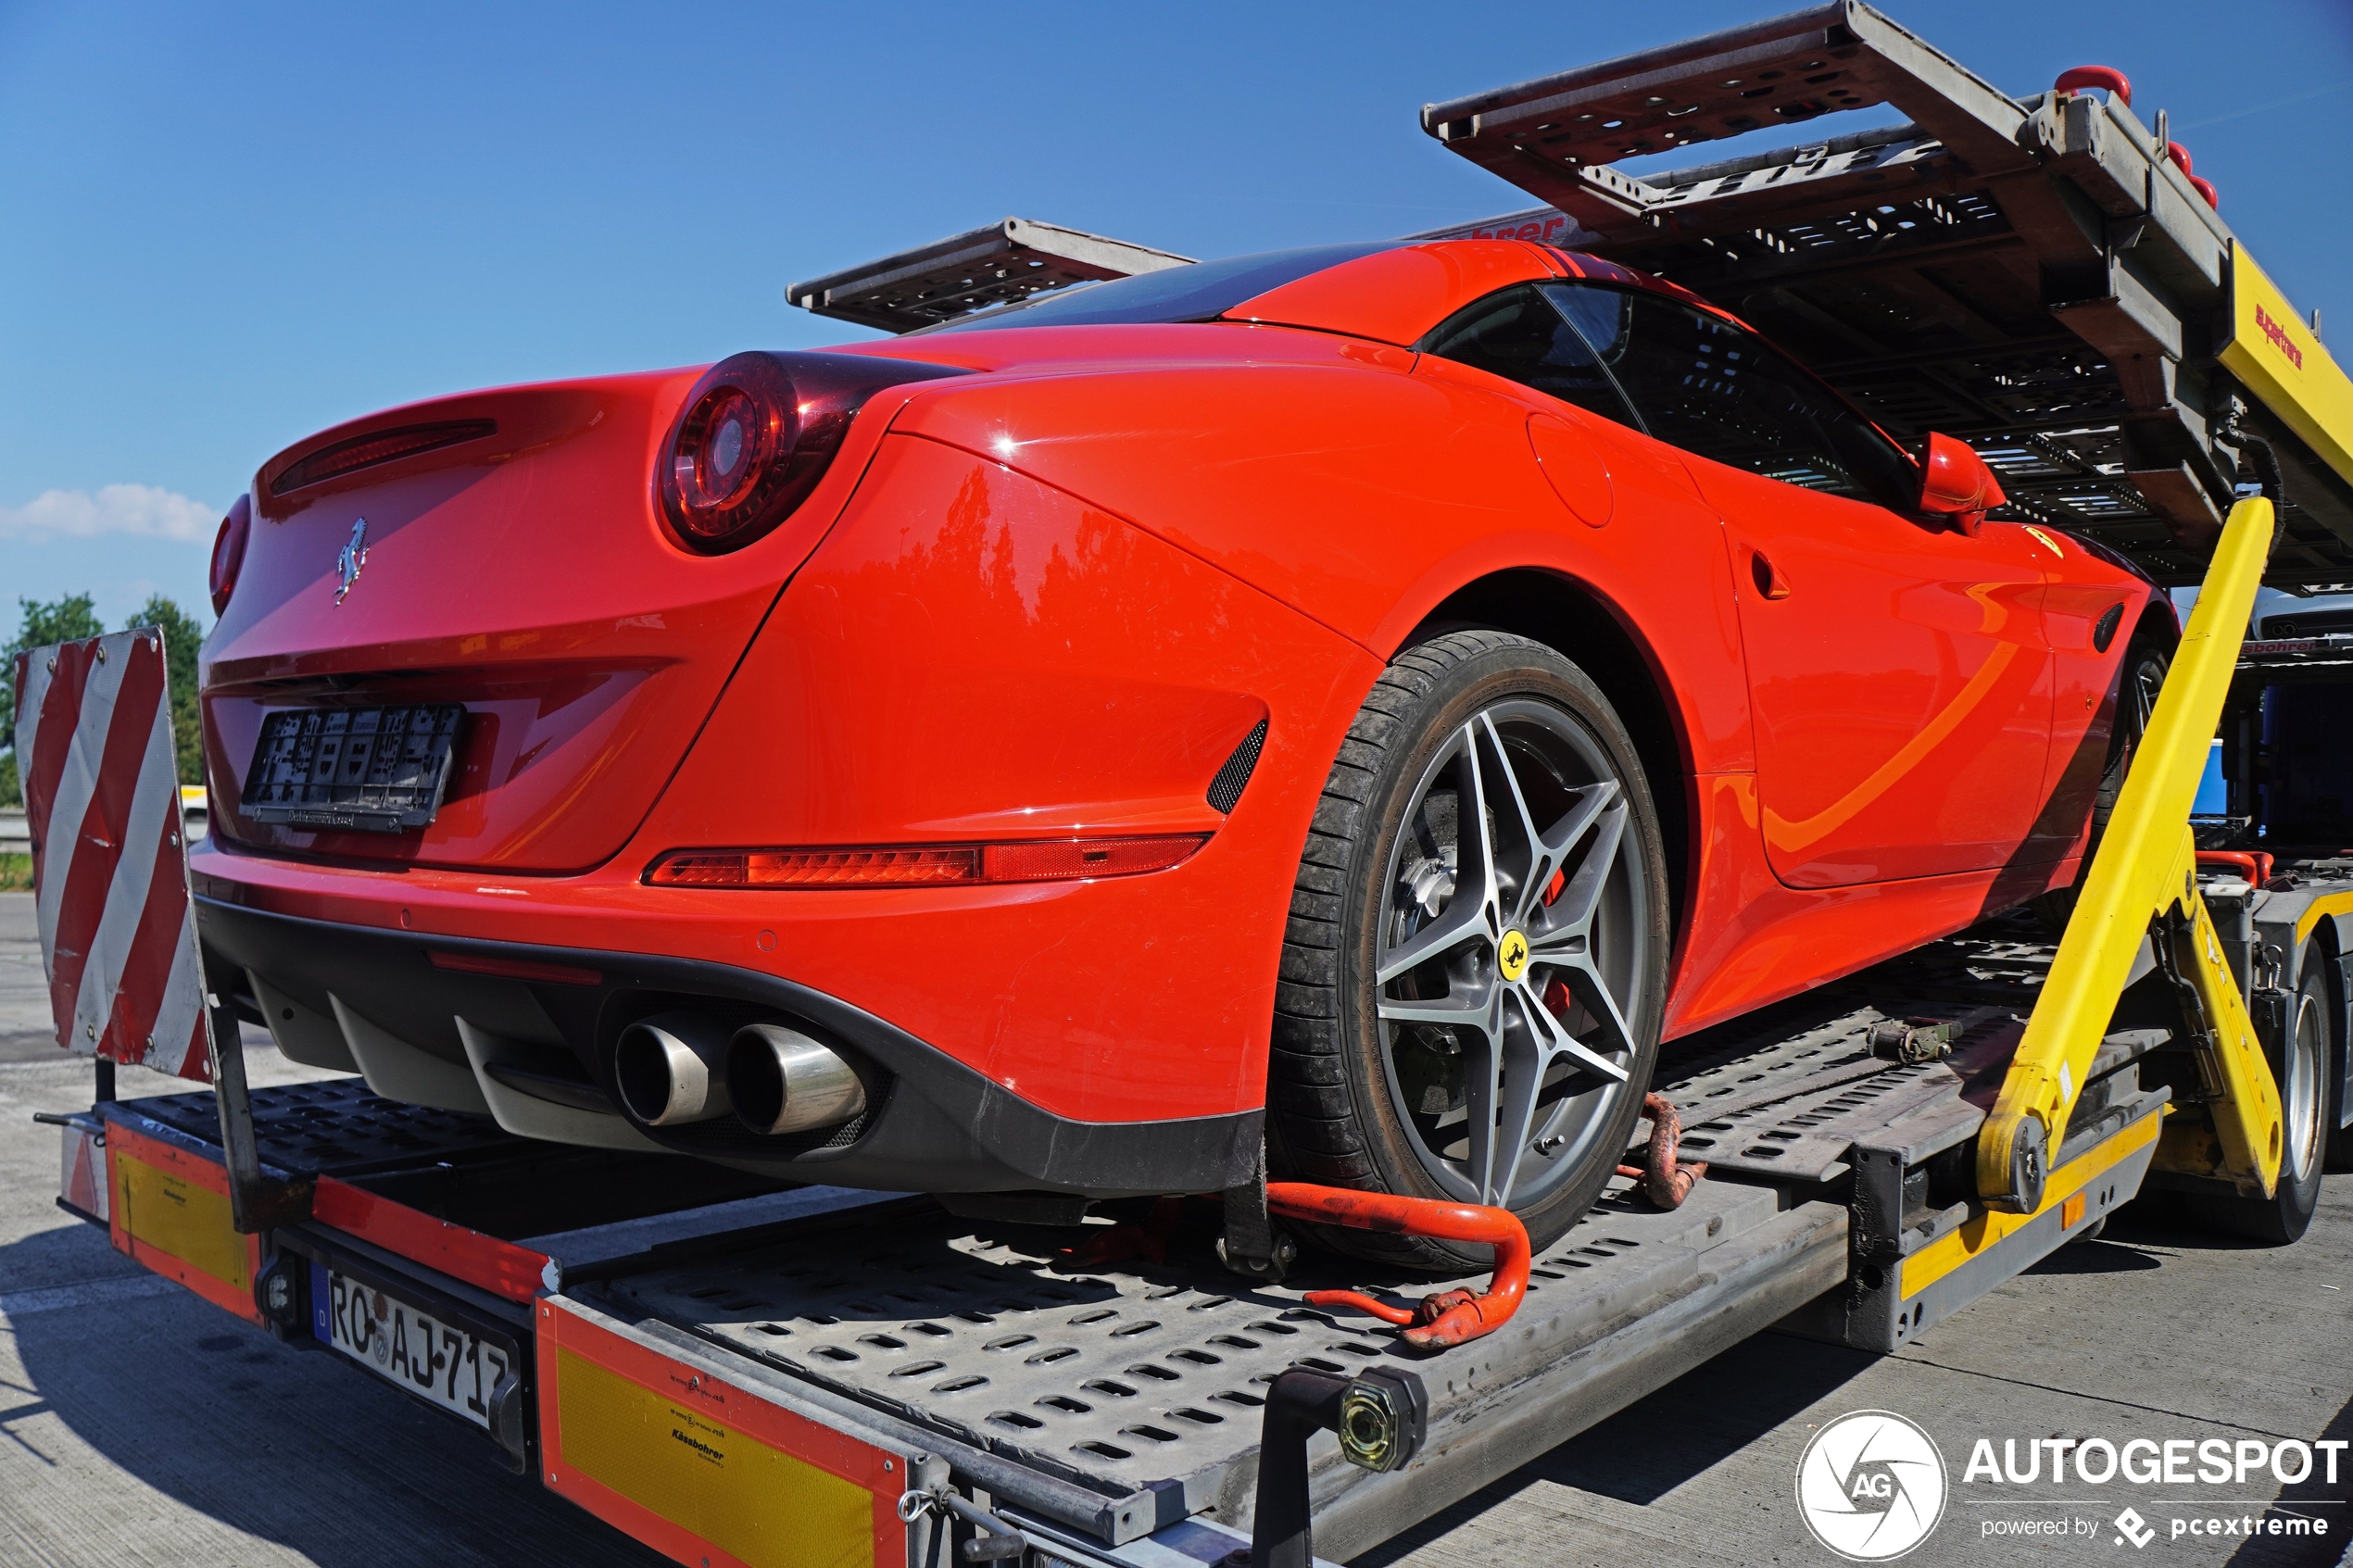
(2247, 1116)
(2144, 870)
(258, 1199)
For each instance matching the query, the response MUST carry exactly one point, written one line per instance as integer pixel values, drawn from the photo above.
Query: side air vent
(1227, 787)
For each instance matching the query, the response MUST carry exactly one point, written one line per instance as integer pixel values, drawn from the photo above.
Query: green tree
(182, 636)
(38, 625)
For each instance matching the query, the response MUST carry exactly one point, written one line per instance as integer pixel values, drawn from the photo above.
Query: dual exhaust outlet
(679, 1067)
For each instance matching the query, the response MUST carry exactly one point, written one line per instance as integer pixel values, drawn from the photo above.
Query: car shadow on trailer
(171, 1394)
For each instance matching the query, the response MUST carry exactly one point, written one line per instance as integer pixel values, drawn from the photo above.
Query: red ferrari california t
(1344, 707)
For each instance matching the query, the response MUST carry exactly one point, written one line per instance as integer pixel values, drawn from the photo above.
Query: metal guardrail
(15, 834)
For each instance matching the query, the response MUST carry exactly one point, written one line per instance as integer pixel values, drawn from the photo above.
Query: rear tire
(2339, 1154)
(1526, 969)
(2339, 1157)
(2302, 1071)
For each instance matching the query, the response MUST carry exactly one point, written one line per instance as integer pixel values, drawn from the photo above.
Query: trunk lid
(514, 560)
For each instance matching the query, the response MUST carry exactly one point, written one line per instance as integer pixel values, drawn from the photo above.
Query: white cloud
(140, 509)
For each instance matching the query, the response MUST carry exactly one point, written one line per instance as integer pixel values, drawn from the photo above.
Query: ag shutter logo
(1870, 1486)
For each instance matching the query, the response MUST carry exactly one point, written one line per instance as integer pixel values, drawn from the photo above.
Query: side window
(1517, 336)
(1718, 391)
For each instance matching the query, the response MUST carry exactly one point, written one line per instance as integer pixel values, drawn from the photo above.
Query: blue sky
(232, 225)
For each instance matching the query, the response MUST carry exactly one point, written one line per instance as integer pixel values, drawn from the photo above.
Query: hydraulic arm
(2144, 884)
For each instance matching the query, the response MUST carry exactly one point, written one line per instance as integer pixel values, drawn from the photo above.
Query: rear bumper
(938, 1125)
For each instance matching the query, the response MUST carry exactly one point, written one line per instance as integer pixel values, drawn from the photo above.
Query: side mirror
(1956, 482)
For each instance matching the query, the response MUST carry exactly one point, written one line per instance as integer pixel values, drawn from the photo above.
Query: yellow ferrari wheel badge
(1511, 955)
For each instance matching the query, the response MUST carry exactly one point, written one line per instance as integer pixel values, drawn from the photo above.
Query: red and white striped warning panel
(110, 856)
(82, 1177)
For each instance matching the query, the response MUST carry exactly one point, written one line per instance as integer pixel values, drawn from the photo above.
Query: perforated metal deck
(1149, 1379)
(1791, 1111)
(458, 1167)
(1141, 1384)
(337, 1124)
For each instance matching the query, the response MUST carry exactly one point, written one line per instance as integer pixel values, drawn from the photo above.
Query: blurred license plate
(404, 1344)
(366, 770)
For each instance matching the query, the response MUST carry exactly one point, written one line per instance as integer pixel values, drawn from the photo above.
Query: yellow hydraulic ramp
(2144, 884)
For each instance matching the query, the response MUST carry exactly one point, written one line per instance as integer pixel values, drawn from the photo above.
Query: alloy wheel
(1510, 954)
(2302, 1097)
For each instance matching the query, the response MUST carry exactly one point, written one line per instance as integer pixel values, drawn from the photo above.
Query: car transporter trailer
(733, 1373)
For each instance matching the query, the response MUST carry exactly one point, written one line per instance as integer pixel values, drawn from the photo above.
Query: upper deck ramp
(2034, 274)
(1002, 264)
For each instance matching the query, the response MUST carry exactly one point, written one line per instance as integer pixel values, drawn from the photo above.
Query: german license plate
(402, 1342)
(365, 769)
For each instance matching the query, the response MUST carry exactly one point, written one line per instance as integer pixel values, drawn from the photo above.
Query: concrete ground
(139, 1424)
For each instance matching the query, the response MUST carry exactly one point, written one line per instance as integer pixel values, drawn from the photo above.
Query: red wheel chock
(1449, 1317)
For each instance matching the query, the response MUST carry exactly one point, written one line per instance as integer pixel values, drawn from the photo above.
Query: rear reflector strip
(923, 865)
(814, 868)
(1059, 860)
(516, 969)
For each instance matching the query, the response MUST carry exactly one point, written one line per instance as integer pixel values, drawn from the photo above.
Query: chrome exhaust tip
(671, 1068)
(781, 1081)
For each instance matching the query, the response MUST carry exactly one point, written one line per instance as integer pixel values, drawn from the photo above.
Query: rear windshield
(1198, 292)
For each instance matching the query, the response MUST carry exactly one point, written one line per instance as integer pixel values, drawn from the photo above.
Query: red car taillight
(756, 435)
(229, 551)
(924, 864)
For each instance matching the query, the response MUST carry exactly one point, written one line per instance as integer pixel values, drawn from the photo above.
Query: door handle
(1769, 583)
